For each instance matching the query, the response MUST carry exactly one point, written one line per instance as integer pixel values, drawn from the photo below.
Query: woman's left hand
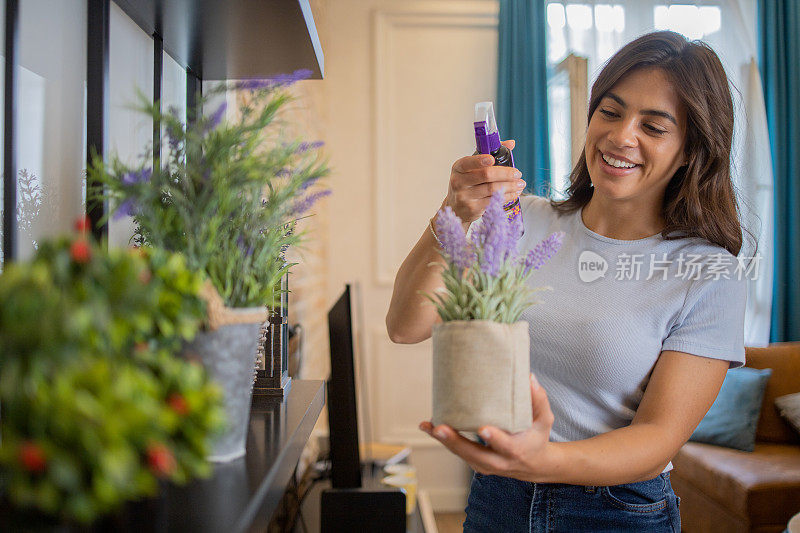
(525, 455)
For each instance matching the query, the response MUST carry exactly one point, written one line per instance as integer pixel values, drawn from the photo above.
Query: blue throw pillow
(732, 419)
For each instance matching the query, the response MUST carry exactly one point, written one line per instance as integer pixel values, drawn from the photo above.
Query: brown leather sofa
(730, 491)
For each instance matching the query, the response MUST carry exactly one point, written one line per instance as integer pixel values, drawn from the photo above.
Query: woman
(647, 311)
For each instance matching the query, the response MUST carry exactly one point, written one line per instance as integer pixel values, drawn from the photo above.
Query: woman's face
(635, 139)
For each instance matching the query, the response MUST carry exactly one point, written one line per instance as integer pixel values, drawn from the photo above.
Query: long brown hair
(699, 200)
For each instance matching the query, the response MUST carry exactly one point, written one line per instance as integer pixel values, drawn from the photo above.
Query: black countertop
(242, 495)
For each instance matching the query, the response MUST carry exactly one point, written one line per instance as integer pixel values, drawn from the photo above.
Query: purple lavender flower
(543, 252)
(288, 79)
(174, 142)
(125, 209)
(305, 147)
(307, 184)
(174, 137)
(304, 204)
(134, 177)
(216, 117)
(206, 169)
(248, 250)
(252, 85)
(276, 81)
(454, 242)
(129, 178)
(496, 236)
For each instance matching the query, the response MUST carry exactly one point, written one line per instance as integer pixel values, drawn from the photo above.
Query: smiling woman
(647, 309)
(662, 103)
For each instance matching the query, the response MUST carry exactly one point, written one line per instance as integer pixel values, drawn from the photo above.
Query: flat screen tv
(342, 409)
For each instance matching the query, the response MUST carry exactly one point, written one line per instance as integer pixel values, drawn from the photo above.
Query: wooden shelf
(233, 39)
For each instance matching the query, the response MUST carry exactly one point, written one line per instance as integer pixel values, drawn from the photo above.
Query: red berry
(178, 403)
(80, 251)
(83, 224)
(141, 346)
(32, 457)
(160, 460)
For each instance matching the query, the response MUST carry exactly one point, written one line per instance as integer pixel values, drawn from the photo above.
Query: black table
(242, 495)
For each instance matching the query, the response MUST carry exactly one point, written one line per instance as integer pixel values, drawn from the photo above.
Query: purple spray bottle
(487, 140)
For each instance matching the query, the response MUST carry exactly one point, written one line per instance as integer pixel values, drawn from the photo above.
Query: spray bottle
(487, 140)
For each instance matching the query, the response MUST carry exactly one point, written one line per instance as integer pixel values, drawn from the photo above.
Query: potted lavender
(227, 195)
(481, 349)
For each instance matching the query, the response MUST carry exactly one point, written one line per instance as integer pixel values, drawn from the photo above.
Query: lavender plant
(485, 278)
(225, 194)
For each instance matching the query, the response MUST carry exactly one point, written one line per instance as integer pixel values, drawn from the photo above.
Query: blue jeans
(501, 504)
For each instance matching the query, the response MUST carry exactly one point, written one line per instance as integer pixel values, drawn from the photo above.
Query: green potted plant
(227, 195)
(481, 349)
(97, 410)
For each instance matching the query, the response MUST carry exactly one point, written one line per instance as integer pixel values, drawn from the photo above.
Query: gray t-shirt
(596, 337)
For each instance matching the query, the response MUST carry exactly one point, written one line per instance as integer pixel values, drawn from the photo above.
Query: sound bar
(379, 510)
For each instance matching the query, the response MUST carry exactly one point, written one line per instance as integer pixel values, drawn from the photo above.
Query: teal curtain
(779, 50)
(522, 89)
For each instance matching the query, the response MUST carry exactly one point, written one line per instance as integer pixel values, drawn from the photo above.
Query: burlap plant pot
(227, 348)
(481, 375)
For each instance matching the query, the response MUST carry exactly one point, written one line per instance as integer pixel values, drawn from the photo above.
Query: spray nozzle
(487, 138)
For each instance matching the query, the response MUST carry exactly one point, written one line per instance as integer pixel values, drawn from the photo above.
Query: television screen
(342, 410)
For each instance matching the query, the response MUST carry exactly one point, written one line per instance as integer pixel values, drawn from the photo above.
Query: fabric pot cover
(481, 375)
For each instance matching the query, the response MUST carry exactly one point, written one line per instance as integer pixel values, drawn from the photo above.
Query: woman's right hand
(473, 180)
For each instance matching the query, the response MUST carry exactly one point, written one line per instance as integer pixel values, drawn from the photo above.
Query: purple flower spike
(125, 209)
(252, 85)
(248, 251)
(174, 142)
(543, 252)
(215, 119)
(496, 236)
(129, 178)
(307, 184)
(142, 176)
(454, 242)
(288, 79)
(305, 147)
(303, 205)
(276, 81)
(175, 136)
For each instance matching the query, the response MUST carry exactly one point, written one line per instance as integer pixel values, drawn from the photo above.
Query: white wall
(402, 81)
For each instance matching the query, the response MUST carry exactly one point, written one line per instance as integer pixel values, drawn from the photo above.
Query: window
(695, 22)
(50, 119)
(595, 31)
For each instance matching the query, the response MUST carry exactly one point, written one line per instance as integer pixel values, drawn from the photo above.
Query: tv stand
(337, 510)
